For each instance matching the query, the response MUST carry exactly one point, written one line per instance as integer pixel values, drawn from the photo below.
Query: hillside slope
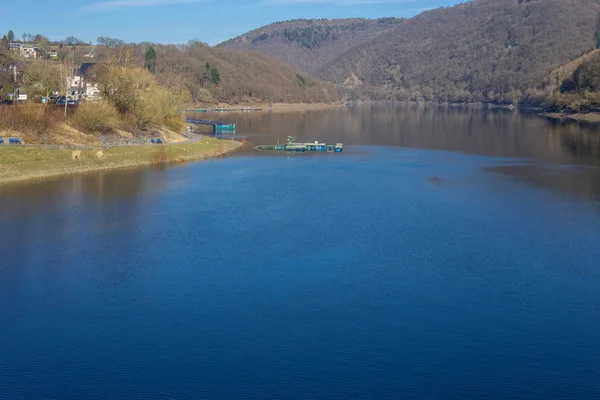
(308, 45)
(243, 76)
(483, 50)
(566, 72)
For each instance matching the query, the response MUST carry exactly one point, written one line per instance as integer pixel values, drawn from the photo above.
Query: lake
(447, 253)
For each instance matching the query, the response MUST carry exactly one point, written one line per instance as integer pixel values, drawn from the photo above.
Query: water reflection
(498, 133)
(519, 137)
(72, 213)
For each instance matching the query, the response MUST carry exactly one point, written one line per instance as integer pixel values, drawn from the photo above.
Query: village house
(24, 50)
(83, 81)
(53, 53)
(28, 51)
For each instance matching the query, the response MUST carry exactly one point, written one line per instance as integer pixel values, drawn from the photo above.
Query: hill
(205, 74)
(308, 45)
(557, 78)
(575, 86)
(482, 50)
(241, 75)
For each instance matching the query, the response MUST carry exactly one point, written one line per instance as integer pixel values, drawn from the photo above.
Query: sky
(178, 21)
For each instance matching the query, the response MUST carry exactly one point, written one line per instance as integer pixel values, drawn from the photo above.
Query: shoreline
(265, 108)
(23, 164)
(590, 118)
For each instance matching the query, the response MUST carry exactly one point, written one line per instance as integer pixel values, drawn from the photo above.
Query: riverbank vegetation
(131, 101)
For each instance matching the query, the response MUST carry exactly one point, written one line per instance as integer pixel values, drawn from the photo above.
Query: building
(28, 51)
(24, 50)
(53, 53)
(83, 81)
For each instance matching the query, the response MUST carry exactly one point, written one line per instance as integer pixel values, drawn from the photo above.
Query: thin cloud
(120, 4)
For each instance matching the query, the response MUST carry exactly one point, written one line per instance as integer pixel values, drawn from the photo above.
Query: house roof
(85, 67)
(85, 70)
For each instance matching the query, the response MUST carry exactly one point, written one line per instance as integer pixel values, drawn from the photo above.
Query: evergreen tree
(213, 73)
(215, 76)
(150, 59)
(11, 36)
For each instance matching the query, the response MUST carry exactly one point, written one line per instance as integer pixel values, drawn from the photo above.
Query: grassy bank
(25, 163)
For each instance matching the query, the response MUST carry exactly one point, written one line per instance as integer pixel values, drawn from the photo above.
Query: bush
(96, 117)
(136, 94)
(35, 119)
(175, 123)
(582, 106)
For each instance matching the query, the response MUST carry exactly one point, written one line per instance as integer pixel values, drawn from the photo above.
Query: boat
(291, 145)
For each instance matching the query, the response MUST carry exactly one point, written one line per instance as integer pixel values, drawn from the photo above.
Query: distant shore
(591, 118)
(267, 107)
(285, 107)
(24, 163)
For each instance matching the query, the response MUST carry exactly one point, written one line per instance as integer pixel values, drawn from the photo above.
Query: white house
(24, 50)
(28, 51)
(83, 81)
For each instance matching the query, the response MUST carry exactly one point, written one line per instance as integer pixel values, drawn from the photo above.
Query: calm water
(445, 254)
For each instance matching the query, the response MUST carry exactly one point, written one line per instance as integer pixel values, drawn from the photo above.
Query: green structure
(302, 147)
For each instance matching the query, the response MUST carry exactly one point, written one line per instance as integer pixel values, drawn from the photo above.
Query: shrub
(96, 117)
(136, 94)
(31, 118)
(175, 123)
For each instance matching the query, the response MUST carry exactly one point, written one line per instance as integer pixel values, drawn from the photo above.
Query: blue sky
(177, 21)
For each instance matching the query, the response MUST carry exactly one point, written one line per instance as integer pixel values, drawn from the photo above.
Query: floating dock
(302, 147)
(218, 127)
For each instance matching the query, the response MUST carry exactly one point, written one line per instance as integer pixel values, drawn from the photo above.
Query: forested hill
(483, 50)
(308, 45)
(212, 74)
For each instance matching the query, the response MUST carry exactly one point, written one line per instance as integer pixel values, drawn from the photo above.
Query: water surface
(446, 253)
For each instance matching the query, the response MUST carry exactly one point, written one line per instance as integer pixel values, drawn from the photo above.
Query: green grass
(20, 163)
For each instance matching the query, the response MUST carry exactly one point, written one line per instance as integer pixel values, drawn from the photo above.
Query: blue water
(381, 273)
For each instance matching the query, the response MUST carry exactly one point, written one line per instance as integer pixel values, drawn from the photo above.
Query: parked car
(62, 99)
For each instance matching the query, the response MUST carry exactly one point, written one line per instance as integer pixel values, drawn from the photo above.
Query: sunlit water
(446, 254)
